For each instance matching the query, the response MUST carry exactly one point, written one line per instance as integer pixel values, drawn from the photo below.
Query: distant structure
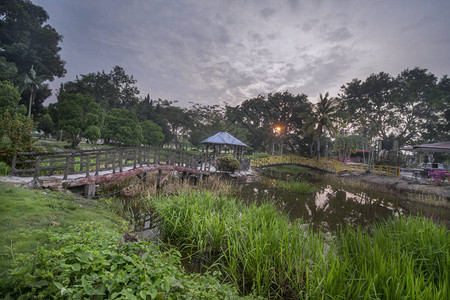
(223, 139)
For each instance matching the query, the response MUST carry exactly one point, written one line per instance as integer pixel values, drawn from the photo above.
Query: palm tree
(323, 119)
(33, 83)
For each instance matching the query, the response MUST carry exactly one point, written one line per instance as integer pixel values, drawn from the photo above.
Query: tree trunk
(318, 149)
(31, 102)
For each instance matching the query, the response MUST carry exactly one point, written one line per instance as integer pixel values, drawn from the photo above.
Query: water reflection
(326, 209)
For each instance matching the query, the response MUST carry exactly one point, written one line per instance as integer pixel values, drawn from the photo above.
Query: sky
(216, 52)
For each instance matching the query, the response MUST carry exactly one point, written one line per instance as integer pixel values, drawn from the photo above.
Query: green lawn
(27, 217)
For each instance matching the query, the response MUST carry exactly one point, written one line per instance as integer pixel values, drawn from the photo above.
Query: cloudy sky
(227, 51)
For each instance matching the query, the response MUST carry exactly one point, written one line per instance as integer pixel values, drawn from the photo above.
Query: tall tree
(324, 119)
(111, 90)
(74, 114)
(26, 40)
(33, 83)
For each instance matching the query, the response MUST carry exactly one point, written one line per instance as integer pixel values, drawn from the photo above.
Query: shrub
(89, 263)
(301, 187)
(227, 164)
(16, 135)
(4, 169)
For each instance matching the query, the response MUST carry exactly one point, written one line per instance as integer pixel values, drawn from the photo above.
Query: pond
(333, 204)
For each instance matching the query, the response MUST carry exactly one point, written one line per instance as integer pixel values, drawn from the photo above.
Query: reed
(260, 251)
(402, 257)
(256, 248)
(300, 187)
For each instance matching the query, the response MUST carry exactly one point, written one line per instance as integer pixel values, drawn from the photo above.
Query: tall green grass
(5, 169)
(260, 251)
(300, 187)
(256, 248)
(403, 257)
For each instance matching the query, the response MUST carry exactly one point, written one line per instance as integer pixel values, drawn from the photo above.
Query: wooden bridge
(329, 165)
(88, 167)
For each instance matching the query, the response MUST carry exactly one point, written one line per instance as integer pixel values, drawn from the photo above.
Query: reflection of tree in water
(327, 208)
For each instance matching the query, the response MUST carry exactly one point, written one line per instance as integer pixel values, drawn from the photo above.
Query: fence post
(88, 162)
(13, 164)
(37, 167)
(120, 161)
(97, 163)
(134, 158)
(66, 169)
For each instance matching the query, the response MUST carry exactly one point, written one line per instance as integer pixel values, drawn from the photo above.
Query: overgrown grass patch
(259, 250)
(256, 248)
(27, 217)
(290, 169)
(299, 187)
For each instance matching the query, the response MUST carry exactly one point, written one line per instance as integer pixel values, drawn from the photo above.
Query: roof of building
(435, 147)
(223, 138)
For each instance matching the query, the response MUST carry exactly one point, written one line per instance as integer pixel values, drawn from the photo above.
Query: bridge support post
(158, 180)
(89, 190)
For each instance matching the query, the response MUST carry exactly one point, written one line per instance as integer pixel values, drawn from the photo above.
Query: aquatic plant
(300, 187)
(259, 250)
(398, 258)
(256, 248)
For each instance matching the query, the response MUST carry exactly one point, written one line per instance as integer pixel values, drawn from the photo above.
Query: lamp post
(278, 131)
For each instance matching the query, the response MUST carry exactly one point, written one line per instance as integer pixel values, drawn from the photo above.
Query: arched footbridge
(63, 170)
(329, 165)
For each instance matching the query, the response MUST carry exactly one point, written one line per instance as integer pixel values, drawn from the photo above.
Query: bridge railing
(93, 162)
(330, 165)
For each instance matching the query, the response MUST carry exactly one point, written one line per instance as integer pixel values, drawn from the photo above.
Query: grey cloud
(267, 12)
(340, 34)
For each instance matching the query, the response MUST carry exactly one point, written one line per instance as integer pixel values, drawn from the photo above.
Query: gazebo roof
(223, 138)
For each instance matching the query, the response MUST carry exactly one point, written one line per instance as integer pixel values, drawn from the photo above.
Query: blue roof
(223, 138)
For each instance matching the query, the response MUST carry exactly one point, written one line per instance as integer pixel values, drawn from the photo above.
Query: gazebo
(221, 139)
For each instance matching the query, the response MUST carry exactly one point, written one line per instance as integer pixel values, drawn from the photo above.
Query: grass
(404, 257)
(4, 169)
(259, 250)
(51, 145)
(290, 169)
(55, 245)
(299, 187)
(28, 216)
(256, 248)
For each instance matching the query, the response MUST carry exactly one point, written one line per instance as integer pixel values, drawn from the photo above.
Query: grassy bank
(259, 250)
(54, 245)
(299, 187)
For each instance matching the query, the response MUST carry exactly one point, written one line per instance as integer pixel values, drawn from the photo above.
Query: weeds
(260, 251)
(300, 187)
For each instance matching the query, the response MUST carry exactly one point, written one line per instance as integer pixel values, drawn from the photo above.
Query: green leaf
(76, 267)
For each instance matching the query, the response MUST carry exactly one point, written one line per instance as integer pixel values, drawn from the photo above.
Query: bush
(4, 169)
(89, 263)
(16, 135)
(227, 164)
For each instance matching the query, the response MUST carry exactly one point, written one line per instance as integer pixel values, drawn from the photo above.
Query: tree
(122, 126)
(33, 83)
(15, 129)
(324, 119)
(9, 97)
(25, 41)
(74, 114)
(92, 133)
(345, 145)
(152, 134)
(111, 90)
(46, 124)
(410, 108)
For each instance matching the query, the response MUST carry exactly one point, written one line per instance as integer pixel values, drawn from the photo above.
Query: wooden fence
(93, 162)
(330, 165)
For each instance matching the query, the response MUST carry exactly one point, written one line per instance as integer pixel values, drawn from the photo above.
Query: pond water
(333, 205)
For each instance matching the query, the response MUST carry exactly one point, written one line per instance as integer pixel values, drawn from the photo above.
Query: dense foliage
(27, 40)
(74, 114)
(260, 250)
(15, 136)
(228, 164)
(89, 262)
